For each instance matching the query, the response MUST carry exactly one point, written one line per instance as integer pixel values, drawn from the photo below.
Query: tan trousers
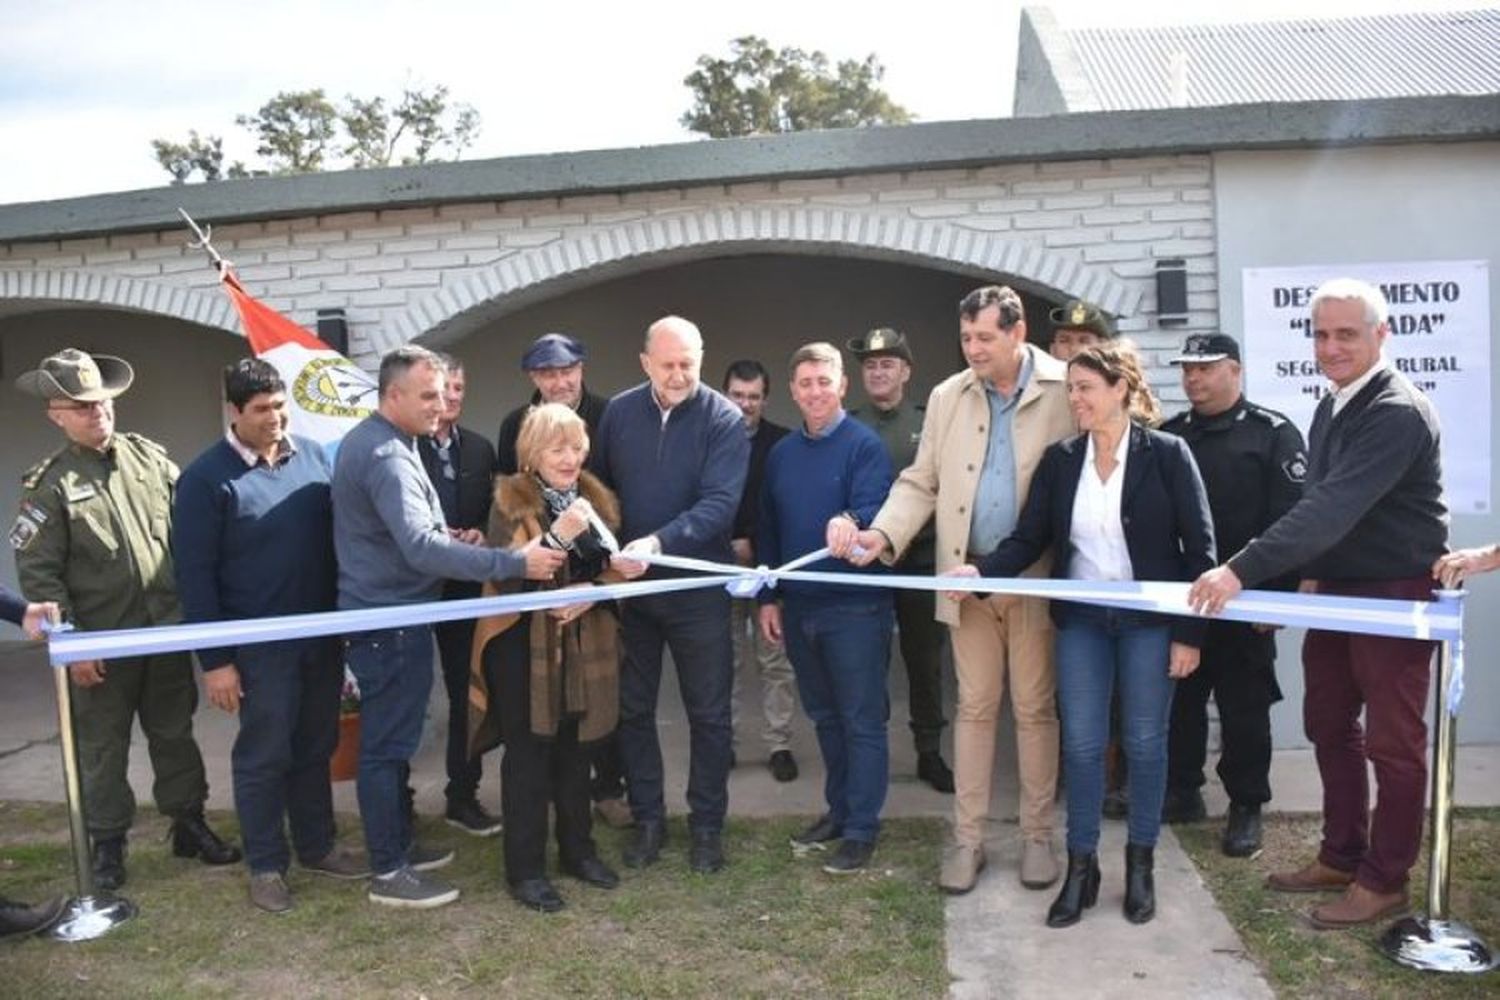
(1004, 640)
(778, 685)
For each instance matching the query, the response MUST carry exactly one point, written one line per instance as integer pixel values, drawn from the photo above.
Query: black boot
(1080, 890)
(1242, 830)
(109, 863)
(646, 848)
(1140, 885)
(191, 838)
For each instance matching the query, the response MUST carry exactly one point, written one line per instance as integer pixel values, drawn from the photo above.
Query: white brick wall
(1079, 228)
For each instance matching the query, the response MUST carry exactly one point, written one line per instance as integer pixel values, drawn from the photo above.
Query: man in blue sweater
(676, 454)
(394, 547)
(837, 637)
(252, 530)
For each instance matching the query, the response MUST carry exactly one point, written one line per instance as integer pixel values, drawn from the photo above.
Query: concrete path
(998, 945)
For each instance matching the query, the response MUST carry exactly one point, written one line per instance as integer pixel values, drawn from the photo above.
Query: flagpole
(1439, 942)
(91, 913)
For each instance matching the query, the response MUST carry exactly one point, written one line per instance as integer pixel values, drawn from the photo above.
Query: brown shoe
(269, 892)
(961, 867)
(1314, 877)
(615, 813)
(1357, 906)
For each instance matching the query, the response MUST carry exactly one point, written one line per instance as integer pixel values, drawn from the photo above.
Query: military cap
(1204, 348)
(553, 350)
(1077, 314)
(881, 340)
(77, 375)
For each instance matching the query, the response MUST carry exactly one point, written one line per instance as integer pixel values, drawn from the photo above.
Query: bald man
(675, 452)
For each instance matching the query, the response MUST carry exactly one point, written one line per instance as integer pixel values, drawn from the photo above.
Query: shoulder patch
(1295, 468)
(28, 525)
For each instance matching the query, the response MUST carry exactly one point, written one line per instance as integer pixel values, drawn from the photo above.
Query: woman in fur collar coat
(546, 683)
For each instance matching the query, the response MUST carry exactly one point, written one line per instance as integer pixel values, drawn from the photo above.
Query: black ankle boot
(1140, 885)
(191, 838)
(109, 863)
(1080, 890)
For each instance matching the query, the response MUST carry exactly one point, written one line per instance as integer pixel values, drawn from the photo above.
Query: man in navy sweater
(676, 454)
(837, 637)
(252, 530)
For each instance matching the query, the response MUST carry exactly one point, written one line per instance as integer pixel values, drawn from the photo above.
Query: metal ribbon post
(1437, 942)
(91, 914)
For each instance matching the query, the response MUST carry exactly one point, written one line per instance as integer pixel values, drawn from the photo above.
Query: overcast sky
(86, 84)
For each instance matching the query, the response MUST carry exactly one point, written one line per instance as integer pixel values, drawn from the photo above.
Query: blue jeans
(840, 651)
(1097, 652)
(288, 729)
(394, 671)
(695, 626)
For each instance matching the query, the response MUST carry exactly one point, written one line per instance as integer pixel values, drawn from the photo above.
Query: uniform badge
(1080, 314)
(78, 492)
(1295, 468)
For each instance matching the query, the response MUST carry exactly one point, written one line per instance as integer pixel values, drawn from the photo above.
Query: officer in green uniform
(93, 535)
(1077, 325)
(885, 368)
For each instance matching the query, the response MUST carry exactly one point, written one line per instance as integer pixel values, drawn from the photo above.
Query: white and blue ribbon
(1439, 620)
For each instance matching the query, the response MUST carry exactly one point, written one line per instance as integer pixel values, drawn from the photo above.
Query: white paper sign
(1440, 339)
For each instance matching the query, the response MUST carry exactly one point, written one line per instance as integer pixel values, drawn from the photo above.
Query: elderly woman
(1117, 502)
(546, 683)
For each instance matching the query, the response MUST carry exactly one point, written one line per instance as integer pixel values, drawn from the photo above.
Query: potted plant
(344, 764)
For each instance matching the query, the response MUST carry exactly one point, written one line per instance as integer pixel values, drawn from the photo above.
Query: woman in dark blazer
(1118, 502)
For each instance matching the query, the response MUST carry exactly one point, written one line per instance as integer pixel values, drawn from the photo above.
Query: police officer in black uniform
(1253, 461)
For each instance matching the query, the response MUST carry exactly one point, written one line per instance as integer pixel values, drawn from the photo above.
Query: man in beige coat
(983, 436)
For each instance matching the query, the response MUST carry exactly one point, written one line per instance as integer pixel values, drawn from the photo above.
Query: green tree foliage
(758, 90)
(302, 131)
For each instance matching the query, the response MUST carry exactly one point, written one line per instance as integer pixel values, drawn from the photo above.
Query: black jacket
(590, 408)
(1373, 506)
(475, 461)
(1253, 463)
(1163, 511)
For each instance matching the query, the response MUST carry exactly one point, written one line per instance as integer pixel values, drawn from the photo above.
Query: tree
(202, 154)
(759, 90)
(303, 132)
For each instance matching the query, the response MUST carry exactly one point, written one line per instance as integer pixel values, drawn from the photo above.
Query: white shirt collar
(1342, 396)
(251, 458)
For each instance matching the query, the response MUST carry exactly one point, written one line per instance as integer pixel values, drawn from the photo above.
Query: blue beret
(553, 350)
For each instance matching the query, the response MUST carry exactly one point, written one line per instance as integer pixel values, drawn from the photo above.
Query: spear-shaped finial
(204, 236)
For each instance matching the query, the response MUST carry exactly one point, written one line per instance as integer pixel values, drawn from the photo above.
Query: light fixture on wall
(333, 329)
(1171, 291)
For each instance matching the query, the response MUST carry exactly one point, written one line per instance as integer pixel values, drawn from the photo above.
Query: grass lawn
(1300, 961)
(769, 925)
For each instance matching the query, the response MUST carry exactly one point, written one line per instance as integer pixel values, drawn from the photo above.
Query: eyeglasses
(81, 406)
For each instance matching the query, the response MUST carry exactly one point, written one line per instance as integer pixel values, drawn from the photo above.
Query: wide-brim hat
(882, 340)
(78, 375)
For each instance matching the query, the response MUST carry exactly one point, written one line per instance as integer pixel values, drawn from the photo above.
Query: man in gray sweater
(394, 547)
(1371, 523)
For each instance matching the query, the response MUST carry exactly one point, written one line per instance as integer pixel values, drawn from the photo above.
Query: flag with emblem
(327, 394)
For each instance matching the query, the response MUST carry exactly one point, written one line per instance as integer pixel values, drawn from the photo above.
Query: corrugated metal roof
(1398, 55)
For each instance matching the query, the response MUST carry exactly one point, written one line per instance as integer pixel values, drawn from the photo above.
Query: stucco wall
(1409, 203)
